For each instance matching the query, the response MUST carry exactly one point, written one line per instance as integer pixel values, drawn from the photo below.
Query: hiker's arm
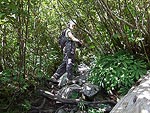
(72, 37)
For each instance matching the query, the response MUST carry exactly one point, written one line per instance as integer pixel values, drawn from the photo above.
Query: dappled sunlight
(145, 94)
(144, 111)
(112, 39)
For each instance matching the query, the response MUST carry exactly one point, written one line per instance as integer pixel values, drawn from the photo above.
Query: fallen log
(51, 96)
(137, 100)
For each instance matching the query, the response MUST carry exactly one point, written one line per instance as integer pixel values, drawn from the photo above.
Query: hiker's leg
(70, 60)
(62, 68)
(69, 68)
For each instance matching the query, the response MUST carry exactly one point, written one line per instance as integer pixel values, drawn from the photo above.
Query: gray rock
(90, 90)
(67, 91)
(61, 111)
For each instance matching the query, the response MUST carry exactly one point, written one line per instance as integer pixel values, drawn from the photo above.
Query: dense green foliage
(100, 110)
(29, 50)
(117, 72)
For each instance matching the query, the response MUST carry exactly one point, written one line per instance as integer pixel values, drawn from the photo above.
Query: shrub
(119, 71)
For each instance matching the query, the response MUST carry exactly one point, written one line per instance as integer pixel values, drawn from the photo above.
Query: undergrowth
(116, 72)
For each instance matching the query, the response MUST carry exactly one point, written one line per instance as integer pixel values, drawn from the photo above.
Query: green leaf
(2, 15)
(92, 46)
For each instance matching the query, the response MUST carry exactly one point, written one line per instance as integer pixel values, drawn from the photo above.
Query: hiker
(69, 54)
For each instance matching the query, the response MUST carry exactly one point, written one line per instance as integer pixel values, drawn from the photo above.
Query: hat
(72, 22)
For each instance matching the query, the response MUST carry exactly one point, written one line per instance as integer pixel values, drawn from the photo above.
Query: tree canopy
(29, 31)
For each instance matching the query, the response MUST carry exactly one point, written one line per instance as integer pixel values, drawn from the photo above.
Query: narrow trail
(71, 98)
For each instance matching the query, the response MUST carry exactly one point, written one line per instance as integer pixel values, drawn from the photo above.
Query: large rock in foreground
(137, 100)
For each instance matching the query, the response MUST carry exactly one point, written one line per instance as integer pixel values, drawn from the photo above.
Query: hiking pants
(68, 61)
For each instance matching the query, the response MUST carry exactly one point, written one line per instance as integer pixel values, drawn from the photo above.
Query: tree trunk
(137, 100)
(4, 47)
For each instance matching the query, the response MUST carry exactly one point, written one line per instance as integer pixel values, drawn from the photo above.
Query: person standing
(69, 54)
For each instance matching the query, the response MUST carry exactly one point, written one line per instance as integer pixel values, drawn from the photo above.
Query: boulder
(137, 100)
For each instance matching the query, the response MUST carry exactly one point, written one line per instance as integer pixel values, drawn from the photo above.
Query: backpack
(62, 39)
